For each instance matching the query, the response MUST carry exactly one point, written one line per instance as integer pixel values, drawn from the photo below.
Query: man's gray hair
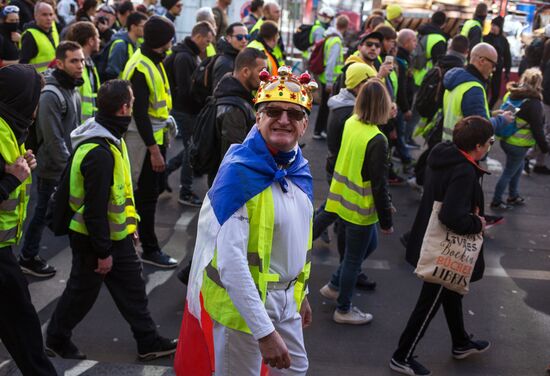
(39, 5)
(204, 14)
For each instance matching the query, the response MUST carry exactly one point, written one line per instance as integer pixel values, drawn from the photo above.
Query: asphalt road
(509, 307)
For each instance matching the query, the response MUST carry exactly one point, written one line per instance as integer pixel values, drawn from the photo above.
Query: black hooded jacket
(225, 61)
(455, 181)
(232, 122)
(439, 49)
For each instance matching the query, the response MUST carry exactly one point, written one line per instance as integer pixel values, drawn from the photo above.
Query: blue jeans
(401, 145)
(361, 241)
(515, 158)
(186, 124)
(31, 244)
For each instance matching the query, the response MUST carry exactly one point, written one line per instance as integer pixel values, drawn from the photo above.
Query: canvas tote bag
(446, 258)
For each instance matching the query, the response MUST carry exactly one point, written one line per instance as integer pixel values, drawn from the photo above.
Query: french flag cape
(246, 170)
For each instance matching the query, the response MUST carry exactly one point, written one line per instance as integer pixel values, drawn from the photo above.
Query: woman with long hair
(526, 96)
(87, 11)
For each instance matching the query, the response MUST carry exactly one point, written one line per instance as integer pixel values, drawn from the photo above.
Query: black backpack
(204, 147)
(300, 38)
(101, 61)
(58, 212)
(430, 93)
(202, 80)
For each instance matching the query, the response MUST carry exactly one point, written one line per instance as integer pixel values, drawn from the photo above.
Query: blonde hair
(373, 104)
(532, 78)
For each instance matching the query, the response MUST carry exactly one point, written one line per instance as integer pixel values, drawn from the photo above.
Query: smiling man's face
(282, 124)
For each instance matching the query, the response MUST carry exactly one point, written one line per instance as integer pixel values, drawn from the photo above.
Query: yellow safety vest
(272, 64)
(523, 136)
(452, 106)
(350, 197)
(121, 212)
(218, 304)
(257, 25)
(88, 94)
(210, 50)
(129, 47)
(160, 98)
(432, 40)
(329, 43)
(13, 210)
(394, 82)
(469, 25)
(46, 50)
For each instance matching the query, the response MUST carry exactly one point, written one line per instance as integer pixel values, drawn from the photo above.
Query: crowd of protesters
(108, 88)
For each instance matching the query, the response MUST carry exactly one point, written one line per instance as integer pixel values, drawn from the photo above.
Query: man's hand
(15, 37)
(135, 238)
(20, 169)
(104, 265)
(157, 160)
(305, 312)
(385, 70)
(31, 159)
(508, 116)
(274, 351)
(408, 115)
(393, 112)
(387, 231)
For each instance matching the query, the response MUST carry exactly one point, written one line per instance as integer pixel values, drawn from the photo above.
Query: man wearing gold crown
(246, 301)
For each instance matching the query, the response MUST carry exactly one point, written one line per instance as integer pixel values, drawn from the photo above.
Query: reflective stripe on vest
(469, 25)
(121, 212)
(523, 136)
(452, 106)
(433, 39)
(87, 94)
(218, 304)
(350, 197)
(13, 210)
(160, 99)
(329, 43)
(46, 50)
(272, 65)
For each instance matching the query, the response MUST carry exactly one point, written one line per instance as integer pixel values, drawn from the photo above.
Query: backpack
(502, 129)
(101, 60)
(202, 80)
(429, 94)
(205, 142)
(58, 212)
(300, 38)
(418, 58)
(317, 59)
(340, 82)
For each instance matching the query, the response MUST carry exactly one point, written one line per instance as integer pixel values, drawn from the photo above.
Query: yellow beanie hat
(357, 73)
(393, 11)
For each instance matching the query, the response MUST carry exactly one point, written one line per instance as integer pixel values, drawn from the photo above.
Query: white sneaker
(329, 293)
(354, 317)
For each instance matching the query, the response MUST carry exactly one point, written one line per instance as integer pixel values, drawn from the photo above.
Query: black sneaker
(190, 200)
(473, 347)
(161, 347)
(527, 166)
(411, 367)
(364, 283)
(499, 205)
(543, 170)
(36, 266)
(67, 350)
(515, 201)
(183, 274)
(320, 136)
(159, 259)
(404, 239)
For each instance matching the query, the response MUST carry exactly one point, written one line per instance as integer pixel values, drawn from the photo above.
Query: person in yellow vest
(473, 29)
(102, 230)
(333, 61)
(266, 42)
(251, 258)
(85, 34)
(394, 16)
(58, 114)
(359, 195)
(123, 45)
(271, 12)
(40, 39)
(20, 326)
(526, 95)
(206, 14)
(148, 133)
(434, 44)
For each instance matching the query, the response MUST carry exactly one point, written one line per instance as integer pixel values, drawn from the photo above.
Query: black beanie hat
(168, 3)
(158, 31)
(498, 21)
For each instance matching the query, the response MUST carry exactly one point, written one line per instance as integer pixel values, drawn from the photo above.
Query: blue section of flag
(249, 168)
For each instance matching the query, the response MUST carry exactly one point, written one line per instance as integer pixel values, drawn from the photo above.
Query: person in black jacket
(228, 47)
(453, 178)
(97, 256)
(499, 41)
(26, 10)
(9, 35)
(438, 20)
(180, 66)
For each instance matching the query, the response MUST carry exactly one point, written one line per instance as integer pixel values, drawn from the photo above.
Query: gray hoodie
(343, 99)
(91, 129)
(53, 127)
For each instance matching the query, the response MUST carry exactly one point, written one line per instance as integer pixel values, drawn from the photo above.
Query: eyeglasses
(276, 113)
(370, 44)
(10, 9)
(490, 61)
(240, 37)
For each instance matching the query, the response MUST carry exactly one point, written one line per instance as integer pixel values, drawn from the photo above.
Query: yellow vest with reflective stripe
(469, 25)
(452, 107)
(432, 40)
(160, 99)
(13, 210)
(87, 94)
(121, 212)
(210, 50)
(350, 197)
(129, 47)
(257, 25)
(218, 304)
(329, 43)
(46, 51)
(272, 65)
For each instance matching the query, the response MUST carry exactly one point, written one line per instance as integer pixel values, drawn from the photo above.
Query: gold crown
(286, 87)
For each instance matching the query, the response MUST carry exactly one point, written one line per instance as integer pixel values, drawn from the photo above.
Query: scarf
(117, 125)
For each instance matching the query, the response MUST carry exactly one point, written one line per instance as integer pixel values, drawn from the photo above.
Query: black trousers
(124, 282)
(322, 116)
(19, 324)
(431, 297)
(146, 197)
